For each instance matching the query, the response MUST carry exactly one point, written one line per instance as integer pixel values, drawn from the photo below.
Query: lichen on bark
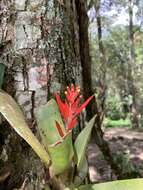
(39, 46)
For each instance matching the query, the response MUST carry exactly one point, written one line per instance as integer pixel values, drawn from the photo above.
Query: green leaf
(131, 184)
(2, 69)
(60, 150)
(47, 187)
(47, 115)
(81, 175)
(81, 143)
(11, 111)
(61, 155)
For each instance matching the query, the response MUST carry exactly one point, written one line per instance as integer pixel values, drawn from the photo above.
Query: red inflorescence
(70, 108)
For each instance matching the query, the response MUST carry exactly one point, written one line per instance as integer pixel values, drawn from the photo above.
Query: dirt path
(126, 143)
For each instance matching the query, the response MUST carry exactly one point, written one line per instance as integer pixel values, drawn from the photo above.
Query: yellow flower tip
(65, 92)
(77, 87)
(78, 90)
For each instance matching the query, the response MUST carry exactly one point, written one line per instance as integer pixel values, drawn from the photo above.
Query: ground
(127, 144)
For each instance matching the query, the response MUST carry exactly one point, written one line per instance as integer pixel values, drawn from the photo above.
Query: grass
(117, 123)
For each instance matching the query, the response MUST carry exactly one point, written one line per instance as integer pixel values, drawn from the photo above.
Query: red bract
(70, 108)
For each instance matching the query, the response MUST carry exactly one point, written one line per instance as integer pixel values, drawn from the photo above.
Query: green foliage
(58, 150)
(133, 184)
(47, 116)
(113, 108)
(117, 123)
(61, 150)
(125, 164)
(61, 155)
(81, 162)
(83, 139)
(81, 172)
(11, 111)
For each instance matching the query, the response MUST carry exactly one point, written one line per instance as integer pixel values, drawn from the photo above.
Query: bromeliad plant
(65, 159)
(56, 120)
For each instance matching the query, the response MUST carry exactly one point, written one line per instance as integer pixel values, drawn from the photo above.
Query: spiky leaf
(131, 184)
(61, 155)
(82, 173)
(13, 114)
(81, 143)
(47, 116)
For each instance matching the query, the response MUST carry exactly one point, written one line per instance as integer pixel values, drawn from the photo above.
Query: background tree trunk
(131, 85)
(93, 108)
(84, 54)
(103, 59)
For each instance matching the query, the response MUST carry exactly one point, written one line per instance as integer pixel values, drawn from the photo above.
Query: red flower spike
(71, 108)
(83, 105)
(61, 133)
(75, 104)
(72, 124)
(72, 94)
(63, 107)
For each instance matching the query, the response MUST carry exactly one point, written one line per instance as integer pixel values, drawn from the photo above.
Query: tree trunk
(103, 59)
(131, 85)
(39, 45)
(84, 54)
(93, 109)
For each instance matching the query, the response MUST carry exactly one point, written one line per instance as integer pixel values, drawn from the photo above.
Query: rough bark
(39, 46)
(41, 51)
(131, 64)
